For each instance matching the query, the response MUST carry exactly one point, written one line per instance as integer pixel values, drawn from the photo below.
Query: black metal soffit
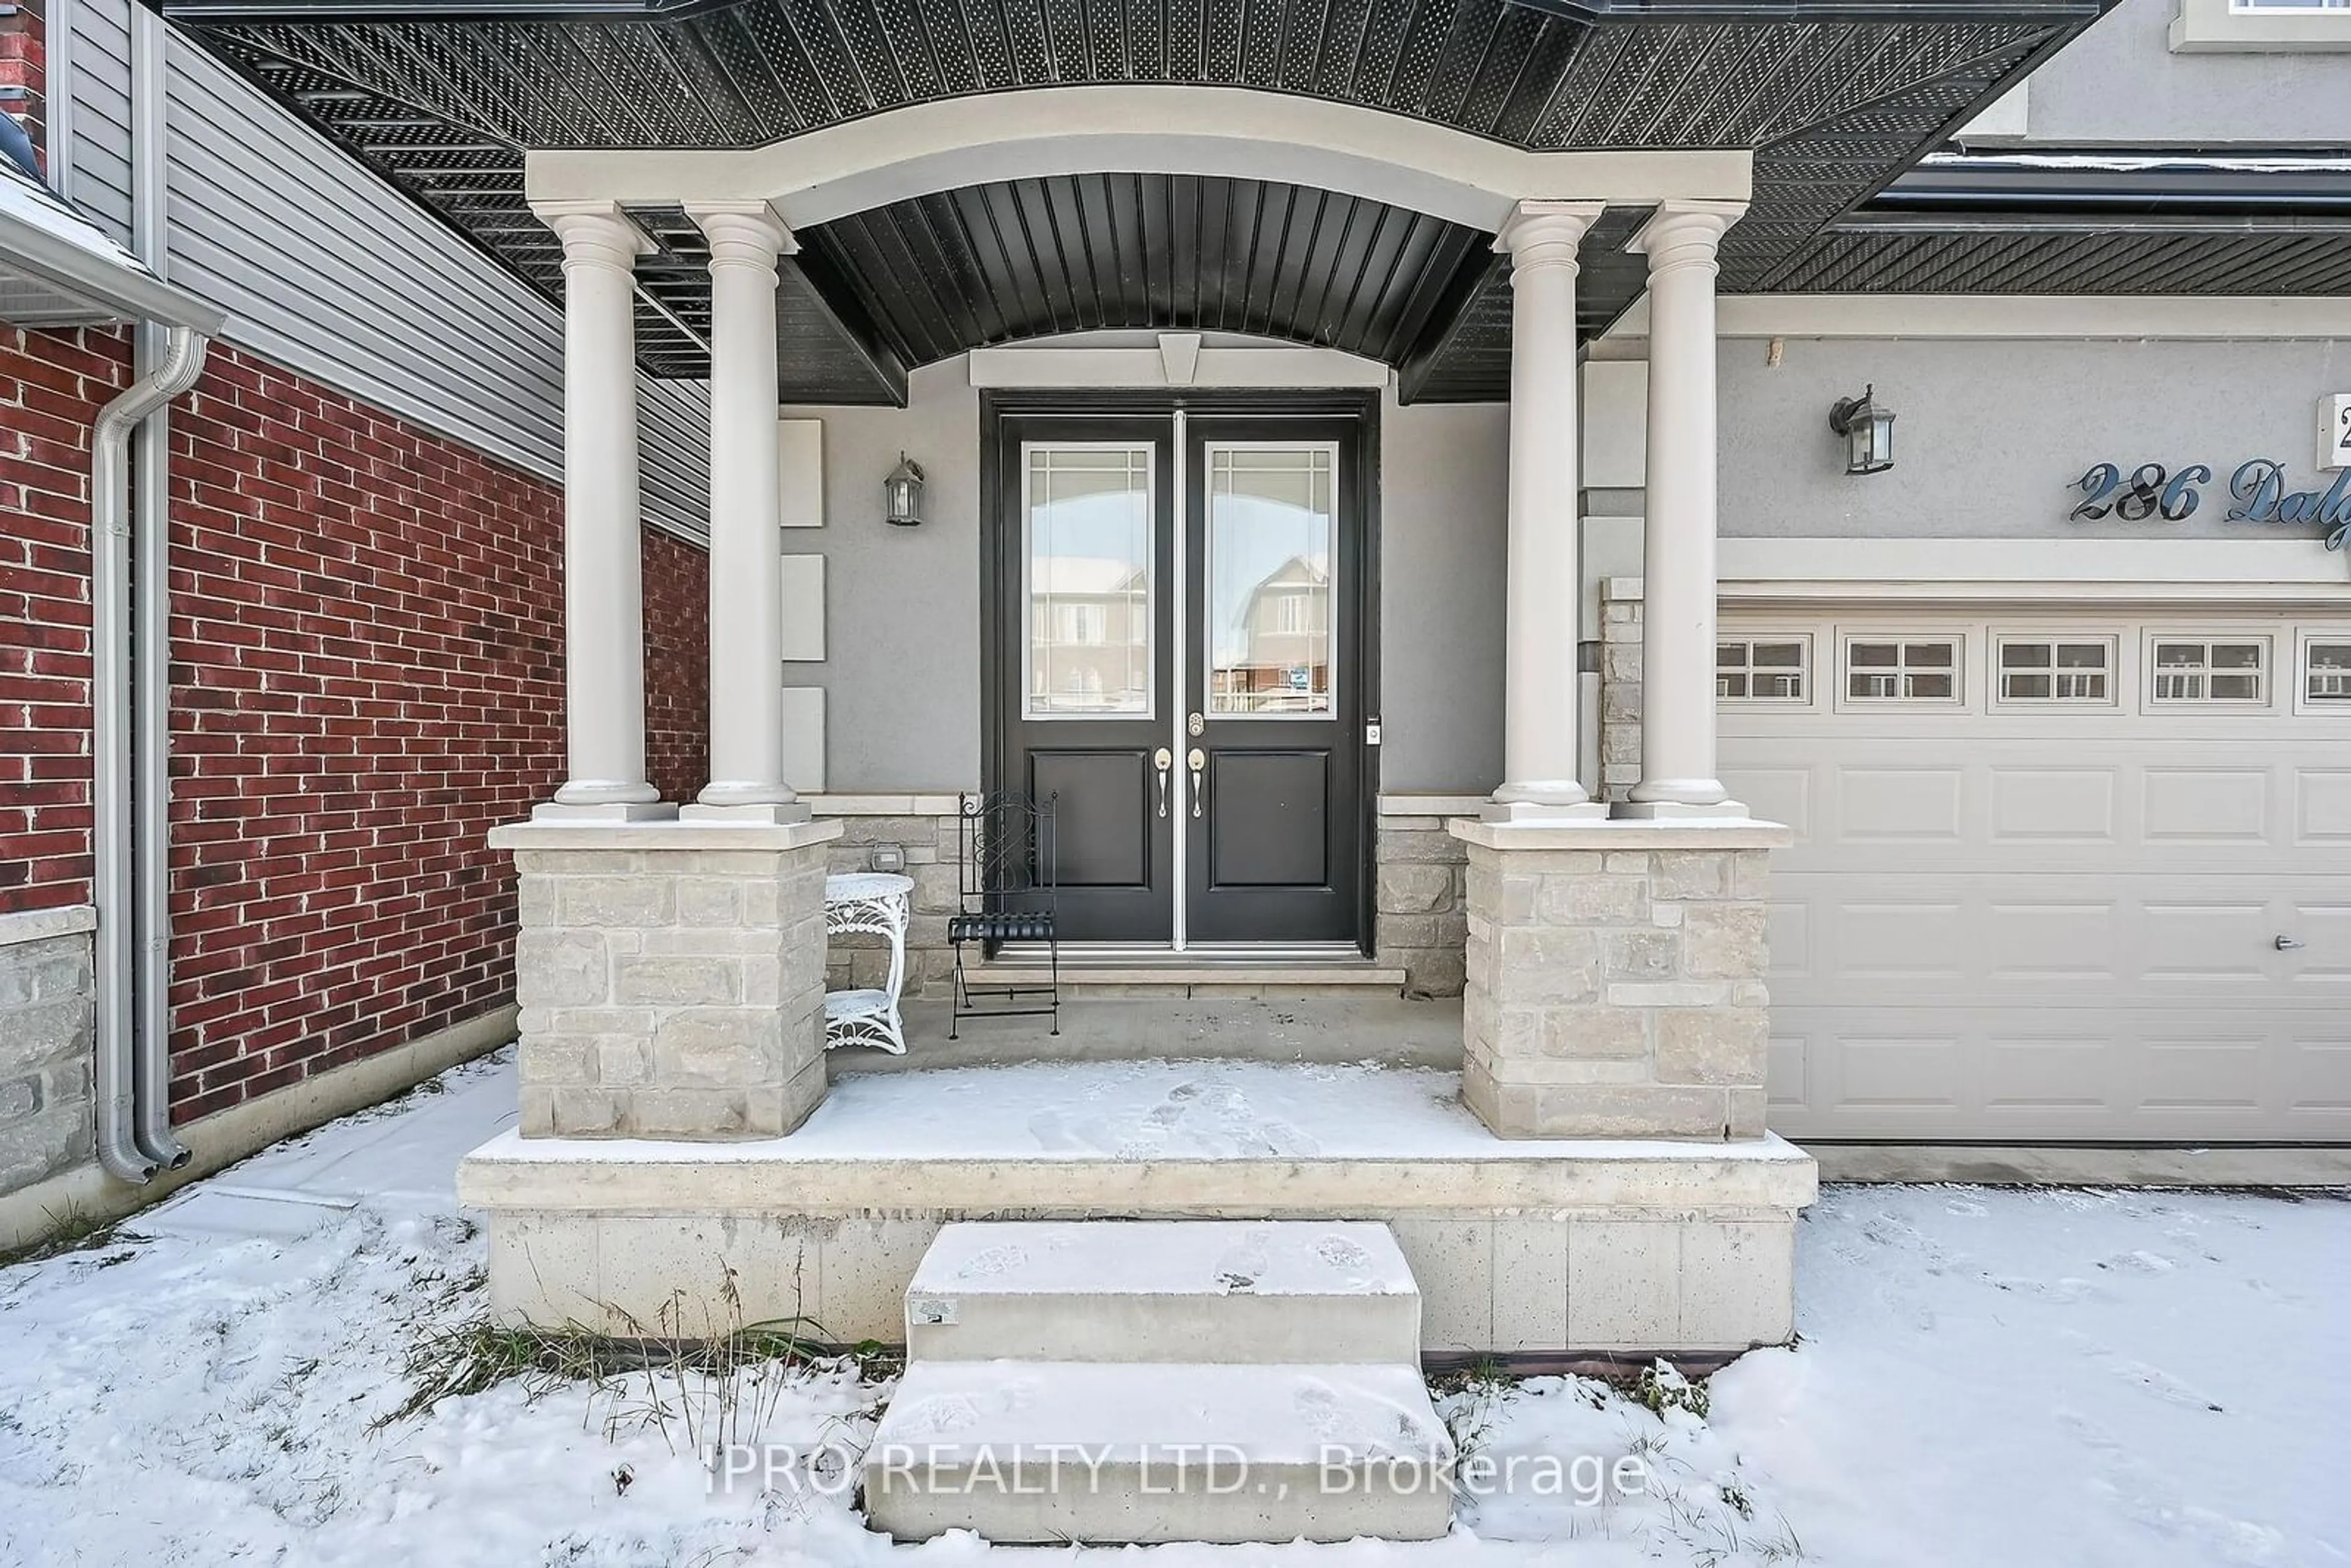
(2106, 222)
(1025, 258)
(442, 97)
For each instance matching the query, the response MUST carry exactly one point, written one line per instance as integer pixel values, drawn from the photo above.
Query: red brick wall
(52, 385)
(367, 677)
(677, 666)
(24, 68)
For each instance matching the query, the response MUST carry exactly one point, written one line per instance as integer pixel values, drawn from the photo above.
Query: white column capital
(1685, 232)
(595, 234)
(1546, 233)
(747, 234)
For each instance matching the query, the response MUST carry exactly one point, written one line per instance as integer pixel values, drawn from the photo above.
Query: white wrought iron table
(879, 904)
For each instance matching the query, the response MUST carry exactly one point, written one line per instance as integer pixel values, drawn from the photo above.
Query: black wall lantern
(1868, 432)
(902, 493)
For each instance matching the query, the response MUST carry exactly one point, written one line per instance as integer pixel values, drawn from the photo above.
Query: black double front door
(1179, 626)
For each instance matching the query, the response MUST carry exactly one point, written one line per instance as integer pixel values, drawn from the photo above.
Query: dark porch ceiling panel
(1026, 258)
(2050, 258)
(442, 97)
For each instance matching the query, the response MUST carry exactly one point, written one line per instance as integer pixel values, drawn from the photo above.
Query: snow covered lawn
(1985, 1378)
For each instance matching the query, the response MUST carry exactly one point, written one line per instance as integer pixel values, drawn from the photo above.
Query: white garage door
(2081, 878)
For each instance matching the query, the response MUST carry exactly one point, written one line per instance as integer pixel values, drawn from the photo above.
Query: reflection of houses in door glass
(1090, 589)
(1270, 517)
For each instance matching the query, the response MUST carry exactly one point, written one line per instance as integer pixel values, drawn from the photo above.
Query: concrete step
(1032, 1452)
(1164, 1291)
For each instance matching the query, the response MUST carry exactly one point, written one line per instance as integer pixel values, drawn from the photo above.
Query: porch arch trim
(945, 144)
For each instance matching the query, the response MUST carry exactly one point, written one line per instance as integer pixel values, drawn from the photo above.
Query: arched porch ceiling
(928, 278)
(446, 97)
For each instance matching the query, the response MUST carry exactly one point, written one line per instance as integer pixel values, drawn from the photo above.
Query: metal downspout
(151, 628)
(112, 793)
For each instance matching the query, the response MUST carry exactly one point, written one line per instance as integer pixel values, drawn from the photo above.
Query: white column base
(766, 813)
(1681, 810)
(1538, 811)
(605, 812)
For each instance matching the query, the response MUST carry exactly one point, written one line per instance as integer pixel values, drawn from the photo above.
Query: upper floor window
(2260, 26)
(1085, 623)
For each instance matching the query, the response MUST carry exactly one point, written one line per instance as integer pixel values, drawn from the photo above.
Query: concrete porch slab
(1522, 1245)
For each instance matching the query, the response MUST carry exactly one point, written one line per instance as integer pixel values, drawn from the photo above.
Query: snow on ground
(1985, 1377)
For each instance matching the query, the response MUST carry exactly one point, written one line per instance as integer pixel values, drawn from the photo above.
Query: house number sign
(2256, 491)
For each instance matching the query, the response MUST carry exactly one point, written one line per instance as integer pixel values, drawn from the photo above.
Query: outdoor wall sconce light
(1868, 432)
(902, 493)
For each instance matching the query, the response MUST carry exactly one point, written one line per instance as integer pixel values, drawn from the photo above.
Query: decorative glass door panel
(1089, 562)
(1272, 537)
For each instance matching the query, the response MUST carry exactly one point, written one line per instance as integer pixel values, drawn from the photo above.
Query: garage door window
(1764, 670)
(1887, 670)
(2035, 670)
(2327, 677)
(2224, 674)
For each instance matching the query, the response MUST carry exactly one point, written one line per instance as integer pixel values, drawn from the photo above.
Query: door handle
(1163, 759)
(1199, 761)
(2288, 944)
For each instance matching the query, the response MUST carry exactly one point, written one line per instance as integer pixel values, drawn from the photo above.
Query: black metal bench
(1010, 893)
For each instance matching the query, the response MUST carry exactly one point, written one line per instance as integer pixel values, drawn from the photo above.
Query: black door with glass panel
(1175, 661)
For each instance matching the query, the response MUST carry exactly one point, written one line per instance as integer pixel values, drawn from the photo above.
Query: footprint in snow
(2139, 1262)
(1340, 1253)
(939, 1417)
(992, 1261)
(1318, 1409)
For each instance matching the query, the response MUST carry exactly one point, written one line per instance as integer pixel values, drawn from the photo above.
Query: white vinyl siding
(327, 270)
(99, 60)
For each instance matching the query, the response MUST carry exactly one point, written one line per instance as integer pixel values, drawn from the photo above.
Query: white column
(1678, 550)
(1543, 589)
(747, 596)
(603, 592)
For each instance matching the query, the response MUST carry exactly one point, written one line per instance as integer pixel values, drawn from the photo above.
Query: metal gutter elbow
(123, 1059)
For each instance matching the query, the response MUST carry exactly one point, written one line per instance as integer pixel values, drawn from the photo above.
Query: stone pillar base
(1615, 983)
(671, 978)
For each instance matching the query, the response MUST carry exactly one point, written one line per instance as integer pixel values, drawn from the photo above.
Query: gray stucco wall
(1444, 521)
(1988, 435)
(902, 673)
(2119, 84)
(901, 605)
